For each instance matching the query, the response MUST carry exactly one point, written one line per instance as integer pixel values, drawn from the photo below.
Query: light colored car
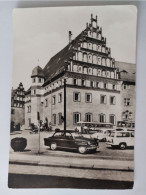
(102, 134)
(122, 139)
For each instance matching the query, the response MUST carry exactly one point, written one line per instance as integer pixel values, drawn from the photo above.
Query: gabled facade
(17, 106)
(93, 84)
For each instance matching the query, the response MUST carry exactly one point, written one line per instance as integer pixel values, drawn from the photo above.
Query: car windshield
(77, 135)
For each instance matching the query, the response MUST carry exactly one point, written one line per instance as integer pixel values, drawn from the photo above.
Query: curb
(73, 166)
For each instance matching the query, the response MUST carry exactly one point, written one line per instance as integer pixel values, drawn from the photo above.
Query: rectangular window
(105, 85)
(39, 79)
(83, 83)
(60, 118)
(28, 109)
(53, 99)
(114, 87)
(88, 97)
(54, 119)
(97, 84)
(91, 84)
(112, 119)
(103, 99)
(76, 117)
(76, 96)
(126, 101)
(75, 82)
(112, 100)
(34, 91)
(46, 102)
(12, 111)
(60, 97)
(102, 118)
(33, 80)
(88, 117)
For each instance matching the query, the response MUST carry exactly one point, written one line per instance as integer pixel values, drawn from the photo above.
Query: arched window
(80, 69)
(99, 72)
(99, 36)
(85, 44)
(88, 117)
(90, 58)
(85, 57)
(103, 61)
(99, 60)
(89, 34)
(94, 35)
(94, 47)
(90, 71)
(94, 71)
(89, 45)
(112, 74)
(80, 56)
(75, 68)
(94, 59)
(85, 70)
(102, 118)
(103, 73)
(108, 74)
(108, 62)
(103, 49)
(99, 48)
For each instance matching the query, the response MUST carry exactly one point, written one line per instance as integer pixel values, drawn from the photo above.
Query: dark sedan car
(70, 140)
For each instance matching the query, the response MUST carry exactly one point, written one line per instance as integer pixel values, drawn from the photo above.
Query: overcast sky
(39, 33)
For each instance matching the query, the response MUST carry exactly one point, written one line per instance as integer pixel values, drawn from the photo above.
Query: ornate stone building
(17, 106)
(93, 84)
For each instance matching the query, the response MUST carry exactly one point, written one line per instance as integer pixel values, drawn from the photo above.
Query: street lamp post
(64, 104)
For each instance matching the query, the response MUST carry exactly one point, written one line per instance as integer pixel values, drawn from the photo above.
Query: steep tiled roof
(28, 91)
(57, 63)
(127, 71)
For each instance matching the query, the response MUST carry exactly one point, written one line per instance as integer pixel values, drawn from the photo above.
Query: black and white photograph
(73, 97)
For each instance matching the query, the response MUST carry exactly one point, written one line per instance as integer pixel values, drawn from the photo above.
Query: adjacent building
(17, 107)
(93, 83)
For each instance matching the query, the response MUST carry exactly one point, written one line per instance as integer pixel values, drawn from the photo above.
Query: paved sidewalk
(67, 162)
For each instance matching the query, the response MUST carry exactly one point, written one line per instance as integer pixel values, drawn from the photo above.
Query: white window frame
(86, 95)
(75, 120)
(79, 96)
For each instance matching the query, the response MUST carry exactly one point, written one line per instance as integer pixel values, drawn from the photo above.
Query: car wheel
(82, 149)
(122, 146)
(53, 146)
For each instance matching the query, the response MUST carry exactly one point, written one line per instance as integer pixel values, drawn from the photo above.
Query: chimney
(70, 36)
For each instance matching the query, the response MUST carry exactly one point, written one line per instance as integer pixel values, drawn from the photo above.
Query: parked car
(70, 140)
(87, 133)
(102, 134)
(122, 139)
